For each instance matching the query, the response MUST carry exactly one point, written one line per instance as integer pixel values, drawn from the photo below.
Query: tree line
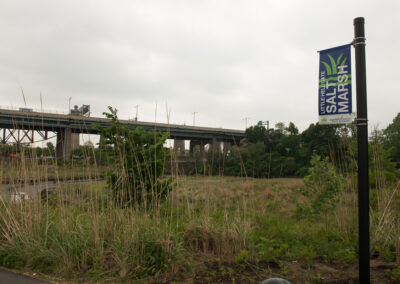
(281, 151)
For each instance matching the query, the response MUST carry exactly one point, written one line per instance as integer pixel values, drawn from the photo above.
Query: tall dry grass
(77, 231)
(384, 200)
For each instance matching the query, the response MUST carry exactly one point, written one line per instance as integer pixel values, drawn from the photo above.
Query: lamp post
(246, 119)
(137, 108)
(194, 118)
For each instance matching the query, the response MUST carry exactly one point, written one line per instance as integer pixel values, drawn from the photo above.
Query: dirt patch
(255, 272)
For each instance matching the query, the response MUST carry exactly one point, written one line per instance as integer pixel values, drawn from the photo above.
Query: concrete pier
(66, 142)
(179, 147)
(197, 146)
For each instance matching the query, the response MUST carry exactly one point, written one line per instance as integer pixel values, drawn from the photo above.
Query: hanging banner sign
(334, 93)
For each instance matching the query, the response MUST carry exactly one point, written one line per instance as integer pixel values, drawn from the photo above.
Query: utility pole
(246, 119)
(194, 117)
(137, 107)
(362, 141)
(69, 105)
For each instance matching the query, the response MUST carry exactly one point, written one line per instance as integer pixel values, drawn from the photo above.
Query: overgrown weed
(78, 231)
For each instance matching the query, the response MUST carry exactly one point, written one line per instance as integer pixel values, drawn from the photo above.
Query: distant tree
(290, 141)
(280, 127)
(51, 149)
(292, 129)
(38, 151)
(256, 134)
(392, 139)
(233, 165)
(6, 149)
(272, 140)
(320, 139)
(271, 152)
(255, 159)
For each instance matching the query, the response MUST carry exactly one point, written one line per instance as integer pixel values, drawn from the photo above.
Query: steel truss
(20, 136)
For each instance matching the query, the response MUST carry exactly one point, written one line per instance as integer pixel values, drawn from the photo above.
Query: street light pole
(194, 117)
(245, 119)
(137, 108)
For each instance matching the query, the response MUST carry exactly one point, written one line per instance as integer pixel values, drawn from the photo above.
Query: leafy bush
(242, 257)
(139, 160)
(396, 273)
(322, 187)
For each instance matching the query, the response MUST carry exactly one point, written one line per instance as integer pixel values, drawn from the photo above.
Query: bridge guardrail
(57, 111)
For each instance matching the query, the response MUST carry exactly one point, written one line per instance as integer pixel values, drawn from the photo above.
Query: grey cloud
(224, 59)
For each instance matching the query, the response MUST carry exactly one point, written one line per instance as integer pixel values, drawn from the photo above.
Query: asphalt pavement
(9, 277)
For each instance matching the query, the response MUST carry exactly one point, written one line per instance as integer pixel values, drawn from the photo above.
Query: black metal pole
(362, 134)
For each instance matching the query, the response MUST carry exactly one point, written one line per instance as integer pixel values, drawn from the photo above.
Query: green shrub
(396, 273)
(156, 258)
(139, 160)
(242, 257)
(385, 253)
(10, 257)
(322, 187)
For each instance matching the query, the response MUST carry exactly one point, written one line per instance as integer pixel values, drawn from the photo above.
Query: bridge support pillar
(215, 146)
(64, 144)
(227, 147)
(74, 140)
(179, 147)
(197, 146)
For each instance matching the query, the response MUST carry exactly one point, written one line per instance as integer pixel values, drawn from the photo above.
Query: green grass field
(209, 230)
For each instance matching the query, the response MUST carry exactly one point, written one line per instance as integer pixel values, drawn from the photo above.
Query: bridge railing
(55, 111)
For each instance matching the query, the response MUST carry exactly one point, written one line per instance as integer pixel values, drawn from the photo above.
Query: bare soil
(295, 272)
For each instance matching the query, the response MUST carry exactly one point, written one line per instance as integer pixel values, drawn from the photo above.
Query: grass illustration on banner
(334, 101)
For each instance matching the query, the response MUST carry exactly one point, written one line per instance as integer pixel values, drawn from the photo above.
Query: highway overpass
(67, 126)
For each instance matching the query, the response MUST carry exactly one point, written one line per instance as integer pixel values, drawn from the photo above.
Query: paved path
(13, 190)
(7, 277)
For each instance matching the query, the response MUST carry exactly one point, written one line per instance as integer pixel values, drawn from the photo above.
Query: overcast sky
(224, 60)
